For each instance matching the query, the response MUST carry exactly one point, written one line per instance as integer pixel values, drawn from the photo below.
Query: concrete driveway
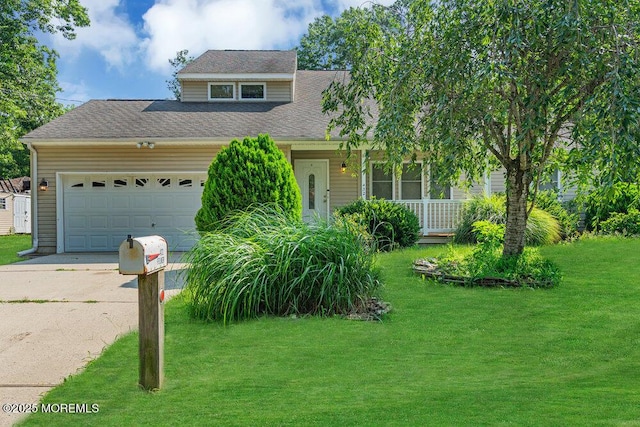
(57, 313)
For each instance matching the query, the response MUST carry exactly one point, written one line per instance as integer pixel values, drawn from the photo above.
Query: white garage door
(101, 210)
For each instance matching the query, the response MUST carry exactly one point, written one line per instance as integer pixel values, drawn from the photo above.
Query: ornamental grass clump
(542, 227)
(260, 262)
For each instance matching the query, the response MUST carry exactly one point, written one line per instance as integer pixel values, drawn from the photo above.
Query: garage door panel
(141, 221)
(99, 217)
(120, 221)
(99, 242)
(163, 221)
(76, 222)
(164, 201)
(183, 222)
(76, 243)
(76, 203)
(98, 201)
(99, 222)
(120, 201)
(141, 201)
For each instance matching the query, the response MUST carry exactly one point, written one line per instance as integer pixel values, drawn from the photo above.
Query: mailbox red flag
(151, 257)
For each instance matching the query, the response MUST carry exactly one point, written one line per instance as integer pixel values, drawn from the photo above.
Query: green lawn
(445, 356)
(10, 245)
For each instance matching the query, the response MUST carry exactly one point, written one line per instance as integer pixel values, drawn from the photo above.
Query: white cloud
(198, 25)
(110, 34)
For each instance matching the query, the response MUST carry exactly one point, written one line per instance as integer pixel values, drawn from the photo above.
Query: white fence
(436, 216)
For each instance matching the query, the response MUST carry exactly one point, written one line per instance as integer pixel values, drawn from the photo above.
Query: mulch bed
(373, 309)
(430, 270)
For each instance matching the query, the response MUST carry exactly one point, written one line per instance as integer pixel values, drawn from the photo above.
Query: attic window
(222, 91)
(253, 91)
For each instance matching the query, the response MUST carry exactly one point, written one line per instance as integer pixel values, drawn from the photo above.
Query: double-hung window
(411, 183)
(381, 182)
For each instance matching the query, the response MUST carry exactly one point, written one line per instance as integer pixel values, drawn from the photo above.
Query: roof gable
(243, 62)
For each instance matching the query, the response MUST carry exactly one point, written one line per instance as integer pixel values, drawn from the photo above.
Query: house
(15, 206)
(119, 167)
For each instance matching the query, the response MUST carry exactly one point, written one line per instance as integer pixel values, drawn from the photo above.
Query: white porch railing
(436, 216)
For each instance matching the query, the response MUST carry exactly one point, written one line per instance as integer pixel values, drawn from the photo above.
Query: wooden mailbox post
(147, 258)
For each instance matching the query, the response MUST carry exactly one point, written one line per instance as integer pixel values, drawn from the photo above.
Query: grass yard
(12, 244)
(444, 356)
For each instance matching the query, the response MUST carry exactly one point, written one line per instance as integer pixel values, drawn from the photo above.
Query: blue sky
(125, 52)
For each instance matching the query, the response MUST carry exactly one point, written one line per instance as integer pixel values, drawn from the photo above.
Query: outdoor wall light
(44, 185)
(343, 167)
(150, 145)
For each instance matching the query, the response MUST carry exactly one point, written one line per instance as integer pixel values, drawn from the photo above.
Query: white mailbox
(143, 255)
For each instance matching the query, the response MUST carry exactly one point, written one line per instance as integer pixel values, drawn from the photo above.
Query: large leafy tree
(28, 74)
(517, 83)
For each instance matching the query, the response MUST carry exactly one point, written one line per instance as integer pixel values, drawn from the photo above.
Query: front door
(312, 178)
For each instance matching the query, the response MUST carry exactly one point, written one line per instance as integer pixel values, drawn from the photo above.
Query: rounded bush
(390, 224)
(542, 227)
(627, 224)
(248, 172)
(599, 208)
(261, 262)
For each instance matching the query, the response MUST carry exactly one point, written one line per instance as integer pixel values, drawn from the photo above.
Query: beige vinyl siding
(197, 91)
(344, 187)
(497, 179)
(279, 91)
(6, 215)
(461, 193)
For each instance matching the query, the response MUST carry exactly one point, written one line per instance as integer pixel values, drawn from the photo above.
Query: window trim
(264, 91)
(393, 179)
(421, 180)
(232, 84)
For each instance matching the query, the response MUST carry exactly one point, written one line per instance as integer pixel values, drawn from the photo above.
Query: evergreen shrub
(248, 172)
(390, 224)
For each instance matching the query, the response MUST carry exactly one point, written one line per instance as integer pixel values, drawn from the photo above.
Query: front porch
(438, 218)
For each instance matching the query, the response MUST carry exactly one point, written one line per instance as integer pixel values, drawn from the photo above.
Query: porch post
(363, 174)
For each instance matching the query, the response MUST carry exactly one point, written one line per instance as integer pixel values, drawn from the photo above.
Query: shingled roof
(15, 185)
(301, 119)
(243, 62)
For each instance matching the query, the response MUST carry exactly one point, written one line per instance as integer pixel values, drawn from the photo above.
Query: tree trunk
(517, 191)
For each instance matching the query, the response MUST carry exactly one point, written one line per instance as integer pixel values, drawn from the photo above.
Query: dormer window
(253, 91)
(222, 91)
